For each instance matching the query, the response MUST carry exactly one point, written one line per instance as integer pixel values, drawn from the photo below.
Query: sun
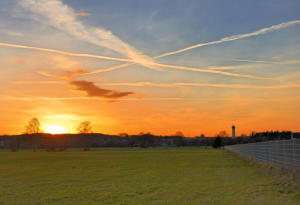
(55, 129)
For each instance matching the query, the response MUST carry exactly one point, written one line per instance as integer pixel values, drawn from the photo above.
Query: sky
(159, 66)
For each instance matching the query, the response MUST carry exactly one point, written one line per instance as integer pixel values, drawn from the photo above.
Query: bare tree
(223, 134)
(33, 126)
(85, 127)
(179, 134)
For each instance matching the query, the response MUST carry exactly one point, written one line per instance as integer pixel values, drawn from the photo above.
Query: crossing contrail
(129, 62)
(185, 68)
(226, 39)
(54, 10)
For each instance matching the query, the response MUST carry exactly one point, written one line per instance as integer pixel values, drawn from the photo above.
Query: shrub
(217, 143)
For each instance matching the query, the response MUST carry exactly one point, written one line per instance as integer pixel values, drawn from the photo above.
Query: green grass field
(137, 176)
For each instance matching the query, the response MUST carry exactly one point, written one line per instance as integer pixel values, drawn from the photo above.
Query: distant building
(233, 131)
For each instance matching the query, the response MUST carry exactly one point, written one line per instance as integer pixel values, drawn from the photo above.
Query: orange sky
(248, 109)
(64, 66)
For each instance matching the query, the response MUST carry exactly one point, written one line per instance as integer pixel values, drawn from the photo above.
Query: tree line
(34, 139)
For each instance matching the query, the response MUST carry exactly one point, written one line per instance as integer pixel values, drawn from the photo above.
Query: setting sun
(55, 129)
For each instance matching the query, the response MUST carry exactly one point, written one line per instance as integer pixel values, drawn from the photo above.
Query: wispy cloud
(234, 37)
(67, 75)
(94, 91)
(63, 17)
(38, 82)
(10, 32)
(83, 14)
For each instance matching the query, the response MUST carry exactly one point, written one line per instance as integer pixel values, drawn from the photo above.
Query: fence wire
(283, 153)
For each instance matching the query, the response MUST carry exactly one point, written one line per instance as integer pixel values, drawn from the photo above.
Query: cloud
(234, 37)
(94, 91)
(67, 75)
(83, 14)
(63, 17)
(38, 82)
(11, 32)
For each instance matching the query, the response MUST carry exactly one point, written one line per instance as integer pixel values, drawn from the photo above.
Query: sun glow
(55, 129)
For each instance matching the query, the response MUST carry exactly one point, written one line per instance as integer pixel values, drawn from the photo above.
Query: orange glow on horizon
(55, 129)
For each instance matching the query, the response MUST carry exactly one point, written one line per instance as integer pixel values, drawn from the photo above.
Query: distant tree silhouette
(223, 134)
(85, 127)
(33, 126)
(179, 134)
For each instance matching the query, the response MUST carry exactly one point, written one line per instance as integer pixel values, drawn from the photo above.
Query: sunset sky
(159, 66)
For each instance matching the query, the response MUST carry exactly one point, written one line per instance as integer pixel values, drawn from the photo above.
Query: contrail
(234, 37)
(63, 17)
(180, 84)
(89, 98)
(230, 38)
(132, 99)
(131, 62)
(236, 67)
(171, 85)
(64, 52)
(156, 65)
(109, 68)
(211, 71)
(287, 62)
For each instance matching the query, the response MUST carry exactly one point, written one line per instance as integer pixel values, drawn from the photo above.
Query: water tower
(233, 131)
